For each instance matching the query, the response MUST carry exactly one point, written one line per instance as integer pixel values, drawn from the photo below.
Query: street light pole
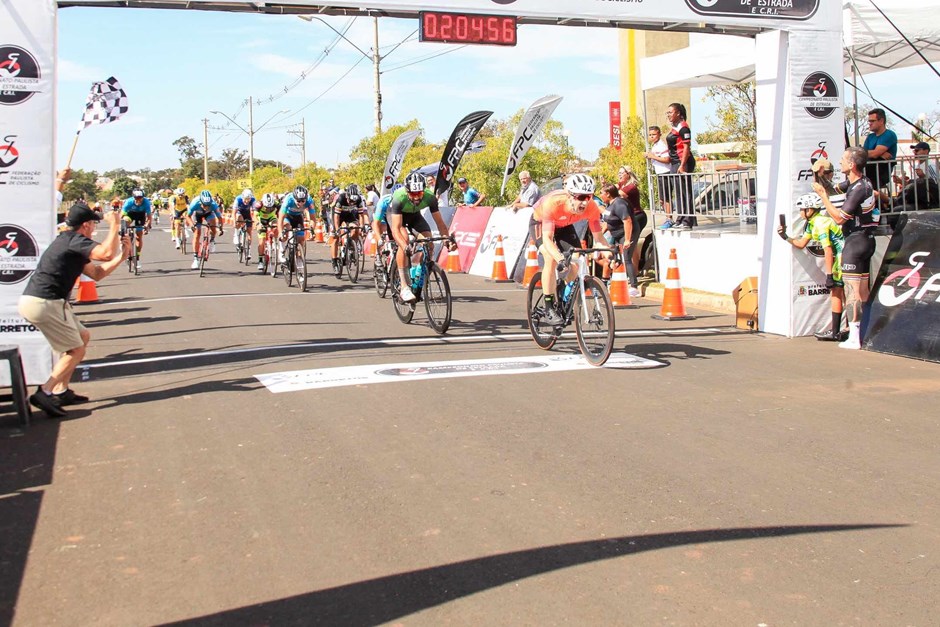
(250, 131)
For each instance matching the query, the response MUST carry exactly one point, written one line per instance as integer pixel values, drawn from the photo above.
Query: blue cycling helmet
(205, 197)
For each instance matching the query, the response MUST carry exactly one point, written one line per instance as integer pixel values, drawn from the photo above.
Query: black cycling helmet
(352, 189)
(300, 193)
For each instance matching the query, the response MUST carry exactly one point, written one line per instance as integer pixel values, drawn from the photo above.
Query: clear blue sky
(177, 66)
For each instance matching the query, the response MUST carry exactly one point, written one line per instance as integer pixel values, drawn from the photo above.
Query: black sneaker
(69, 397)
(827, 336)
(47, 403)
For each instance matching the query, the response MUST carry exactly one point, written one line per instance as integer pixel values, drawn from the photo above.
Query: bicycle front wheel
(204, 246)
(247, 245)
(288, 265)
(594, 321)
(404, 311)
(352, 261)
(542, 332)
(379, 275)
(437, 299)
(182, 235)
(300, 269)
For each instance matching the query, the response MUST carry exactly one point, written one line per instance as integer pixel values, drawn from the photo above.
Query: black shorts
(178, 215)
(415, 222)
(245, 214)
(296, 220)
(347, 216)
(857, 254)
(566, 238)
(266, 223)
(139, 218)
(665, 192)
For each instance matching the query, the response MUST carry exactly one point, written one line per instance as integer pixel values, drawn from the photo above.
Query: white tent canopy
(868, 38)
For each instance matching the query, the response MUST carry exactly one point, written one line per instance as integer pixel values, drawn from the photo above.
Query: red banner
(468, 226)
(615, 141)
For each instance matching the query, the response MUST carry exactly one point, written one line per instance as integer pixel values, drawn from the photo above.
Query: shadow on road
(126, 321)
(668, 352)
(384, 599)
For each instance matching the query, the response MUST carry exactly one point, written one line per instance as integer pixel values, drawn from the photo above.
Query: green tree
(234, 163)
(81, 185)
(188, 148)
(123, 186)
(367, 158)
(632, 148)
(736, 108)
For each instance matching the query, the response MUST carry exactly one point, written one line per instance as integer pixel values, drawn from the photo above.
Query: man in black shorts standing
(45, 300)
(858, 225)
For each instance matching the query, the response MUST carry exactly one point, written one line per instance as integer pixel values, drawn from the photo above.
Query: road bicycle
(204, 245)
(295, 259)
(134, 232)
(243, 244)
(584, 301)
(350, 253)
(428, 283)
(383, 265)
(268, 238)
(181, 231)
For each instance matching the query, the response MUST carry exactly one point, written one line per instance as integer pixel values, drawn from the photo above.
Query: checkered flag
(106, 103)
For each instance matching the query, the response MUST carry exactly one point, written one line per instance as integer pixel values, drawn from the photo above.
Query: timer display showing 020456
(465, 28)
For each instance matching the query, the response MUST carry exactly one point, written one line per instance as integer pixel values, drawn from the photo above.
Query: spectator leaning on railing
(528, 192)
(881, 146)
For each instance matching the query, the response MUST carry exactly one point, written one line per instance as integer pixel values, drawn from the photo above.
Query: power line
(328, 89)
(421, 60)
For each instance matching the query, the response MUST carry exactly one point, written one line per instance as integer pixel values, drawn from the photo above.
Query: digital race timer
(466, 28)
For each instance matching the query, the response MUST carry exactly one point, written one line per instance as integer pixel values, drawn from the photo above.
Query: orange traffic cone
(452, 265)
(499, 264)
(87, 290)
(370, 245)
(318, 232)
(531, 264)
(619, 295)
(673, 307)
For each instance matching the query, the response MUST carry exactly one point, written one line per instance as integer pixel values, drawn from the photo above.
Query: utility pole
(205, 150)
(302, 136)
(251, 141)
(376, 60)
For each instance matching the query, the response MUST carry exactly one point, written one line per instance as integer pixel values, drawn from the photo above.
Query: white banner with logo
(27, 167)
(514, 229)
(817, 113)
(396, 158)
(795, 14)
(529, 127)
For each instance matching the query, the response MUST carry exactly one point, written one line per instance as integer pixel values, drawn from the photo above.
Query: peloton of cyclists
(203, 208)
(136, 212)
(404, 213)
(243, 208)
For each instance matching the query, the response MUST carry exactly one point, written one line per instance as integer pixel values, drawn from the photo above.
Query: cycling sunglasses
(581, 197)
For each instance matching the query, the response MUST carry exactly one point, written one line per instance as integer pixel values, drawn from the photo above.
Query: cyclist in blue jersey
(380, 218)
(295, 208)
(203, 208)
(244, 206)
(137, 212)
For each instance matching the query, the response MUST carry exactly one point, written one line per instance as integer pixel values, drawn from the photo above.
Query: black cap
(922, 146)
(79, 214)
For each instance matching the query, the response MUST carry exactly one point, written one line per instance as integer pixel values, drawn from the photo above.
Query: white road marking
(450, 339)
(319, 378)
(268, 295)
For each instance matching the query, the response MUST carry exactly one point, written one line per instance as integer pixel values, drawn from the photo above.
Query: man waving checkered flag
(106, 103)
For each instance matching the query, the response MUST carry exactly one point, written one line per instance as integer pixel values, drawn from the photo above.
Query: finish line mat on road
(318, 378)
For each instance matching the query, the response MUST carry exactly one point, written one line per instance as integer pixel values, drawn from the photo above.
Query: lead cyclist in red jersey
(556, 214)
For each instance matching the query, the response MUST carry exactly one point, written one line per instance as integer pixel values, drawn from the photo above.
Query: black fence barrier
(905, 301)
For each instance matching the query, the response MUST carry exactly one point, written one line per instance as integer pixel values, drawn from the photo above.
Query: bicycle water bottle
(568, 289)
(876, 214)
(417, 277)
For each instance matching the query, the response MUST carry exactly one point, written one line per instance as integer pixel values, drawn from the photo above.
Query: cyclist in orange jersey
(556, 214)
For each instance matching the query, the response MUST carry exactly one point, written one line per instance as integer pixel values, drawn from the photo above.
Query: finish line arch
(798, 47)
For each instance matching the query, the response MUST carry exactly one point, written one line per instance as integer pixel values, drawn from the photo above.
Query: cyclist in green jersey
(267, 223)
(405, 213)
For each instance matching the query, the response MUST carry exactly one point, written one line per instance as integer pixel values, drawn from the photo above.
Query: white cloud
(69, 71)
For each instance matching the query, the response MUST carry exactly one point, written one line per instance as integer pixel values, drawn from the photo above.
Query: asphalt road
(721, 478)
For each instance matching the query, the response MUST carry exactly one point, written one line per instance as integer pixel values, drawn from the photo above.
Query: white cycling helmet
(268, 200)
(246, 194)
(809, 201)
(180, 191)
(577, 184)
